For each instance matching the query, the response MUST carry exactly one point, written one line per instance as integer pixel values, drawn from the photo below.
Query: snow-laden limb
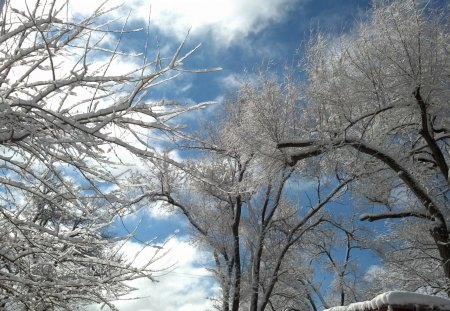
(378, 152)
(391, 215)
(73, 112)
(398, 299)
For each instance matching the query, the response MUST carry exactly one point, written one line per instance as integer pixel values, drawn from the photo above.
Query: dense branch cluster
(378, 100)
(69, 124)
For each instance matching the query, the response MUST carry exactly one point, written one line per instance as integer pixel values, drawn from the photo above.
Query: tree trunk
(440, 235)
(237, 257)
(256, 266)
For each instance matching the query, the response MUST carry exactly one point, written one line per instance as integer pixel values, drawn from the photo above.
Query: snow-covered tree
(242, 209)
(378, 104)
(73, 110)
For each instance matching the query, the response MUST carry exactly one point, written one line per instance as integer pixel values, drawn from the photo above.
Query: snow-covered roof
(398, 299)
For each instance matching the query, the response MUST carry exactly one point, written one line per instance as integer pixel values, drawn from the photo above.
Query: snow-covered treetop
(397, 299)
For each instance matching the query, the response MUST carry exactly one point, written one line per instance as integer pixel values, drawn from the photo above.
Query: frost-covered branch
(75, 117)
(392, 215)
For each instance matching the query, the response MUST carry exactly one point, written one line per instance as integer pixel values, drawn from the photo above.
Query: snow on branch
(374, 217)
(75, 117)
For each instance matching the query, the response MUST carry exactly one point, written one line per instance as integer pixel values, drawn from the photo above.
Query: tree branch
(427, 132)
(391, 215)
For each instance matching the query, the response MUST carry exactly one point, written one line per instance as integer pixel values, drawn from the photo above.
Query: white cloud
(225, 20)
(187, 286)
(232, 81)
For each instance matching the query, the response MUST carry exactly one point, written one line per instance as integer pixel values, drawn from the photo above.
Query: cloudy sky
(238, 36)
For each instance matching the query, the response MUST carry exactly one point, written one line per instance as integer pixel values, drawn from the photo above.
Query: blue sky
(276, 38)
(238, 36)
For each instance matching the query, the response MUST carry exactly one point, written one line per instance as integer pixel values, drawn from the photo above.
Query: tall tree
(67, 121)
(245, 214)
(378, 104)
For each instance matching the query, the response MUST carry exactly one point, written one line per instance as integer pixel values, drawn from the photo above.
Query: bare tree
(378, 105)
(68, 122)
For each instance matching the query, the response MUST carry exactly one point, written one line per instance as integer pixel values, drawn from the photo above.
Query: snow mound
(397, 299)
